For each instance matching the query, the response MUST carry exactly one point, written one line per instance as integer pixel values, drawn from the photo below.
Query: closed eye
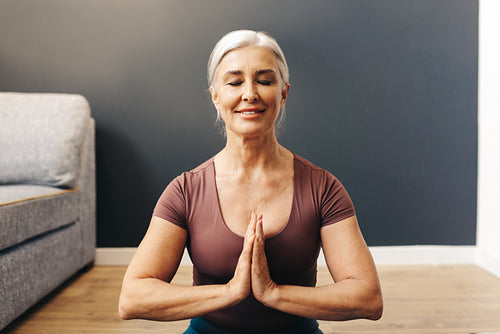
(265, 82)
(235, 83)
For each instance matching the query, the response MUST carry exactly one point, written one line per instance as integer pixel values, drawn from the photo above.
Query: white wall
(488, 216)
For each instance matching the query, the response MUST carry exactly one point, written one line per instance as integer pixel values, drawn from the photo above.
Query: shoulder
(194, 182)
(174, 202)
(320, 179)
(197, 173)
(306, 164)
(203, 168)
(305, 168)
(328, 194)
(333, 200)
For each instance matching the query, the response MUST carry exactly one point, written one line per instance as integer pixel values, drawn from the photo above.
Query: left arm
(355, 294)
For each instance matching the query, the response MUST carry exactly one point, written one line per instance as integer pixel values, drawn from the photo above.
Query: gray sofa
(47, 196)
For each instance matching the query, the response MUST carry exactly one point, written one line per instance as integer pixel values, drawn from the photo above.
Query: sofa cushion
(41, 137)
(27, 211)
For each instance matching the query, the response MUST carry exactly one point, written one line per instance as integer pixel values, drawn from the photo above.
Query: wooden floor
(418, 299)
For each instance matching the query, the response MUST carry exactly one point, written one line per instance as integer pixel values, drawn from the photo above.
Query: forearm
(348, 299)
(153, 299)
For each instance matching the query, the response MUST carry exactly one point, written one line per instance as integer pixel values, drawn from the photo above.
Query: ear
(215, 97)
(284, 95)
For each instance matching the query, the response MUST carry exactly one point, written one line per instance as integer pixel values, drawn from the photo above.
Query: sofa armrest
(87, 187)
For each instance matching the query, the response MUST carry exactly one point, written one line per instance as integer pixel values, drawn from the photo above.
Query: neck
(252, 154)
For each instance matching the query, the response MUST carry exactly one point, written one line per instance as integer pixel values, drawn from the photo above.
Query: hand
(240, 285)
(262, 284)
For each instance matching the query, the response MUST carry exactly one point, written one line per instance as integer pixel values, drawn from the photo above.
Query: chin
(254, 132)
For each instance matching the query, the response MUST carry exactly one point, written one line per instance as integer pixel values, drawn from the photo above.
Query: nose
(250, 94)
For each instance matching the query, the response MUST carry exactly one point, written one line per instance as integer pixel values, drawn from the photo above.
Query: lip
(250, 109)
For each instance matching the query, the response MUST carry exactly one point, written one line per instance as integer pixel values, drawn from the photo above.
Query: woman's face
(248, 91)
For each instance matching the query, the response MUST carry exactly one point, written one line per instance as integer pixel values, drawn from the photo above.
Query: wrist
(234, 293)
(272, 295)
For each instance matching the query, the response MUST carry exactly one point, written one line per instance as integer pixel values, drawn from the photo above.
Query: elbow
(126, 308)
(124, 311)
(367, 304)
(375, 307)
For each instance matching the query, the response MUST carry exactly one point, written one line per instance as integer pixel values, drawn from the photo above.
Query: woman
(253, 218)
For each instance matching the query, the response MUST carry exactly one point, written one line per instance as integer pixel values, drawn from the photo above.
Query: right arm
(147, 292)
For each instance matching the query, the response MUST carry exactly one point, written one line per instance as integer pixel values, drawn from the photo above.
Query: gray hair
(242, 38)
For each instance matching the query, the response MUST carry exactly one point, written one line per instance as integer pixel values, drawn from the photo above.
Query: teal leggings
(203, 326)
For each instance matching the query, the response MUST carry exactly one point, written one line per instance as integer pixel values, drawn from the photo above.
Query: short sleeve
(336, 203)
(171, 205)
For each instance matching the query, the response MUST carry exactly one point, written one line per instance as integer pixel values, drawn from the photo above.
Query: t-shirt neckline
(219, 210)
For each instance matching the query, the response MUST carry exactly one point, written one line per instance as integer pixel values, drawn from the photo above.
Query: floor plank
(418, 299)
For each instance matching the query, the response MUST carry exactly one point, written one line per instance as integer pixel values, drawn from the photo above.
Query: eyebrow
(233, 72)
(238, 72)
(265, 71)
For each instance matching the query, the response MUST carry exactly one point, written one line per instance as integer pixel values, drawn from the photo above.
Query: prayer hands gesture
(252, 271)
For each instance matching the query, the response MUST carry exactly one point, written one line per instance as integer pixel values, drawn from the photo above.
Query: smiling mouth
(250, 111)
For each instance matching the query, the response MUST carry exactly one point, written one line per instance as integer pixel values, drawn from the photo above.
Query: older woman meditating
(253, 219)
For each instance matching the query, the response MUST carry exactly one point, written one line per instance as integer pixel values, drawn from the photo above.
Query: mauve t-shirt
(191, 202)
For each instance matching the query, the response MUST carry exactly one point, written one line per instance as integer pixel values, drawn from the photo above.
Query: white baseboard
(488, 261)
(114, 256)
(390, 255)
(431, 255)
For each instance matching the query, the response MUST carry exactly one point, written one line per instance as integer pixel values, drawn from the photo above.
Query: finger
(258, 249)
(259, 228)
(253, 222)
(251, 226)
(248, 244)
(250, 235)
(260, 269)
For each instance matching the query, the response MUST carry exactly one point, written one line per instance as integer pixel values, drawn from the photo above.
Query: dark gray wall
(383, 94)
